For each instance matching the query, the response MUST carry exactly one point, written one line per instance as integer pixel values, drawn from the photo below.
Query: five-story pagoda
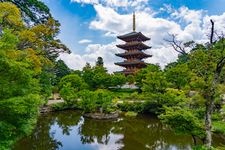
(133, 54)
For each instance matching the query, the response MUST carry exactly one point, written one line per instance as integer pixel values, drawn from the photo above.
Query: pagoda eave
(140, 55)
(138, 36)
(137, 64)
(138, 46)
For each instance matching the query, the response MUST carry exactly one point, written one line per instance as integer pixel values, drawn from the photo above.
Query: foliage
(130, 79)
(155, 82)
(98, 101)
(26, 62)
(183, 121)
(60, 70)
(142, 74)
(99, 62)
(69, 85)
(18, 116)
(61, 106)
(74, 80)
(42, 37)
(131, 114)
(122, 93)
(134, 107)
(117, 79)
(97, 77)
(179, 75)
(219, 127)
(33, 10)
(11, 19)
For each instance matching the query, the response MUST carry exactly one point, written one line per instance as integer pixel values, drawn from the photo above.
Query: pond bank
(68, 130)
(102, 116)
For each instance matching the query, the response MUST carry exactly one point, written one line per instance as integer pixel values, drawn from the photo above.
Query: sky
(89, 27)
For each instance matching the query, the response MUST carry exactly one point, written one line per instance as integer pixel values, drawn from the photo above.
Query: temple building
(134, 48)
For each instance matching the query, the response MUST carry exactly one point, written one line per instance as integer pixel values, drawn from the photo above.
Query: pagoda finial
(134, 26)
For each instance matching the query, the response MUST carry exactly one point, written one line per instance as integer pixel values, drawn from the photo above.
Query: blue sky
(89, 27)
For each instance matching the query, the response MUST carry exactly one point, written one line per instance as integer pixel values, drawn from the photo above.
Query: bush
(61, 106)
(96, 101)
(135, 107)
(18, 116)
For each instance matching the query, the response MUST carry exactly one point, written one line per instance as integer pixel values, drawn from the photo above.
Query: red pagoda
(133, 54)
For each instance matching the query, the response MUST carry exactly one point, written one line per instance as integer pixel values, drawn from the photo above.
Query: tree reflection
(141, 132)
(98, 130)
(41, 138)
(144, 132)
(67, 120)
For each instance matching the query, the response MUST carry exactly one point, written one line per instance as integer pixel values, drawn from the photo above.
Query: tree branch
(212, 31)
(177, 45)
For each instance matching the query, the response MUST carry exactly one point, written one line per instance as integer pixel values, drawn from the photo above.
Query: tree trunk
(194, 140)
(209, 110)
(208, 122)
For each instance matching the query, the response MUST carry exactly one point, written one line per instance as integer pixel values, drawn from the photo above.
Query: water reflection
(70, 131)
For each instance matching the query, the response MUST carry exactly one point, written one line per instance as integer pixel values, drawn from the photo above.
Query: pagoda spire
(134, 25)
(134, 51)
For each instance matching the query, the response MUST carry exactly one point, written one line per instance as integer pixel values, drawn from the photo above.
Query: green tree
(60, 70)
(142, 74)
(101, 78)
(88, 74)
(43, 38)
(99, 62)
(179, 75)
(118, 79)
(96, 77)
(183, 121)
(19, 91)
(10, 16)
(207, 64)
(155, 82)
(130, 79)
(25, 72)
(33, 10)
(69, 85)
(97, 101)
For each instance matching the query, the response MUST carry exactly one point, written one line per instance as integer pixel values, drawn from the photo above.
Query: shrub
(96, 101)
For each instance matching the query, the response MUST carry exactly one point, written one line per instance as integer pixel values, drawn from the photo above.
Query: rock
(102, 116)
(45, 109)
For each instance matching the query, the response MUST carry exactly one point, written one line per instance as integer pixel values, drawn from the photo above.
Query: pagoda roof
(131, 63)
(133, 36)
(133, 45)
(138, 54)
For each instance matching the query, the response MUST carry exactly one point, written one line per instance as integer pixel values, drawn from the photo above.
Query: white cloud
(86, 1)
(92, 52)
(73, 61)
(84, 41)
(138, 4)
(187, 24)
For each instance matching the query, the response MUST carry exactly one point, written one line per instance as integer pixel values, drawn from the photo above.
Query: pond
(68, 130)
